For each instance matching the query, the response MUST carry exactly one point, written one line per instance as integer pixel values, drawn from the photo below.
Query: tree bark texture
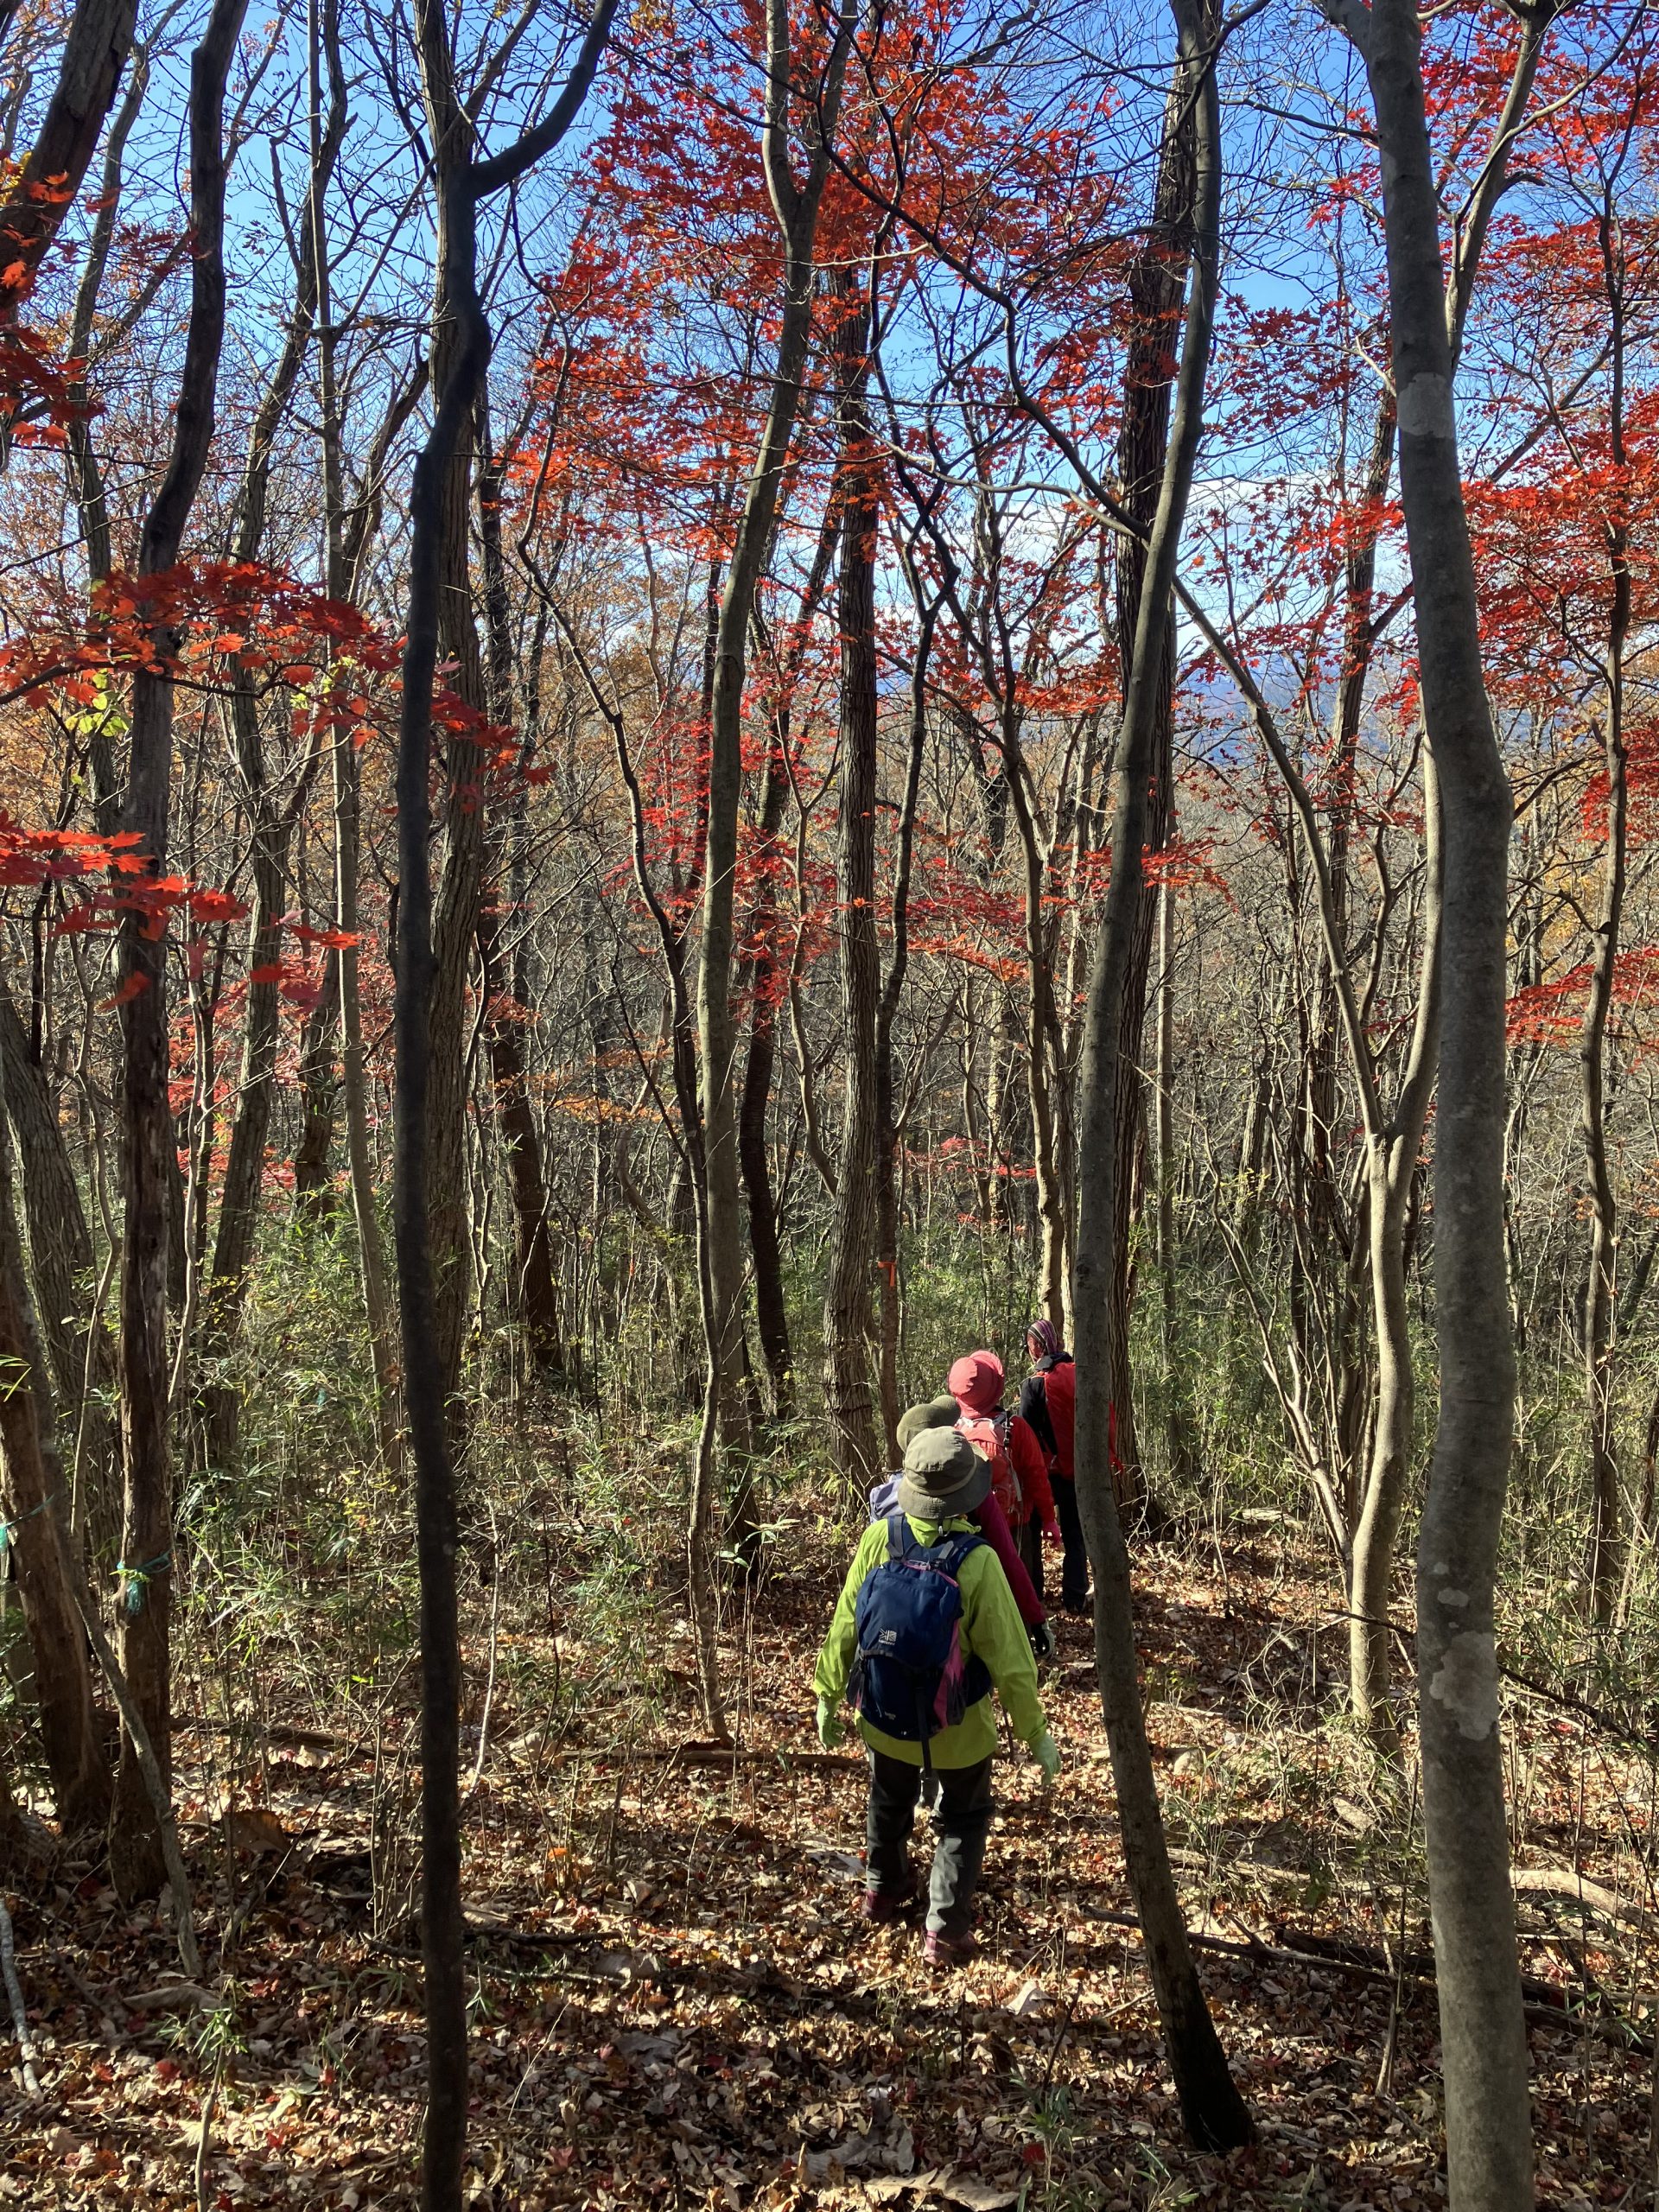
(1213, 2112)
(1391, 1164)
(346, 547)
(94, 53)
(848, 1318)
(887, 1220)
(535, 1288)
(767, 987)
(460, 364)
(1157, 286)
(454, 925)
(37, 1532)
(1489, 2144)
(59, 1240)
(426, 1379)
(273, 831)
(1607, 1546)
(796, 206)
(318, 1077)
(148, 1161)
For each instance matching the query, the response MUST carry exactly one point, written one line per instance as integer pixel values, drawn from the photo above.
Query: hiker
(1019, 1471)
(1048, 1405)
(926, 1627)
(988, 1516)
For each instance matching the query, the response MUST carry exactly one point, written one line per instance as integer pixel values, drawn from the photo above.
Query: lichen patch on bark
(1466, 1683)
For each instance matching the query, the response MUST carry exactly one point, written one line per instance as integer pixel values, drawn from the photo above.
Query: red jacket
(1049, 1403)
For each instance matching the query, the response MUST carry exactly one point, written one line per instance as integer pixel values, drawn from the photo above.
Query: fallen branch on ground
(26, 2051)
(1566, 1881)
(1547, 2003)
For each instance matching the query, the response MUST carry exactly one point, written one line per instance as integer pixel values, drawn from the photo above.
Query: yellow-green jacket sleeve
(840, 1646)
(994, 1631)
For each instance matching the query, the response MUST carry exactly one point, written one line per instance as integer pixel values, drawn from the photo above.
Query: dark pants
(1074, 1579)
(963, 1819)
(1028, 1542)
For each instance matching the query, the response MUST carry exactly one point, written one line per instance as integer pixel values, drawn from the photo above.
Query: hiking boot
(946, 1951)
(881, 1906)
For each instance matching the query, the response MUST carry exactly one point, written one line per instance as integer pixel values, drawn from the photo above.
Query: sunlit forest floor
(673, 2005)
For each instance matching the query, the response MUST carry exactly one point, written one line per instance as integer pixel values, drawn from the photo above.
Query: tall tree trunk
(887, 1223)
(1157, 285)
(460, 367)
(535, 1288)
(442, 1932)
(36, 1511)
(426, 1016)
(272, 829)
(768, 985)
(1214, 2114)
(1605, 1561)
(1177, 1422)
(1391, 1164)
(345, 550)
(147, 1146)
(1366, 1519)
(1482, 2036)
(849, 1321)
(353, 1085)
(796, 206)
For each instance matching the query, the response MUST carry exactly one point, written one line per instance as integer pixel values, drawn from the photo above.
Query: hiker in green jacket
(943, 1479)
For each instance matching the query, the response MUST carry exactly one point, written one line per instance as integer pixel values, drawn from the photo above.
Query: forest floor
(674, 2007)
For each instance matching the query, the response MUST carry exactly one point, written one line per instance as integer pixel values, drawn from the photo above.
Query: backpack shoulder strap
(951, 1555)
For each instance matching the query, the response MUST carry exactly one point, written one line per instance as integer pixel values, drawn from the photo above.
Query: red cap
(976, 1382)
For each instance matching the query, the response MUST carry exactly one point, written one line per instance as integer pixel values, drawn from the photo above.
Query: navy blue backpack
(911, 1676)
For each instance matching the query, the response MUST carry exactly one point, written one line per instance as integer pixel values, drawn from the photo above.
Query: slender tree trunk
(460, 364)
(427, 1006)
(1483, 2036)
(1157, 294)
(149, 1161)
(371, 1249)
(59, 1240)
(344, 561)
(796, 206)
(272, 833)
(81, 453)
(1391, 1164)
(1214, 2114)
(535, 1288)
(1177, 1423)
(442, 1931)
(36, 1510)
(1606, 1560)
(768, 985)
(244, 1167)
(454, 922)
(849, 1321)
(888, 1255)
(797, 216)
(314, 1199)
